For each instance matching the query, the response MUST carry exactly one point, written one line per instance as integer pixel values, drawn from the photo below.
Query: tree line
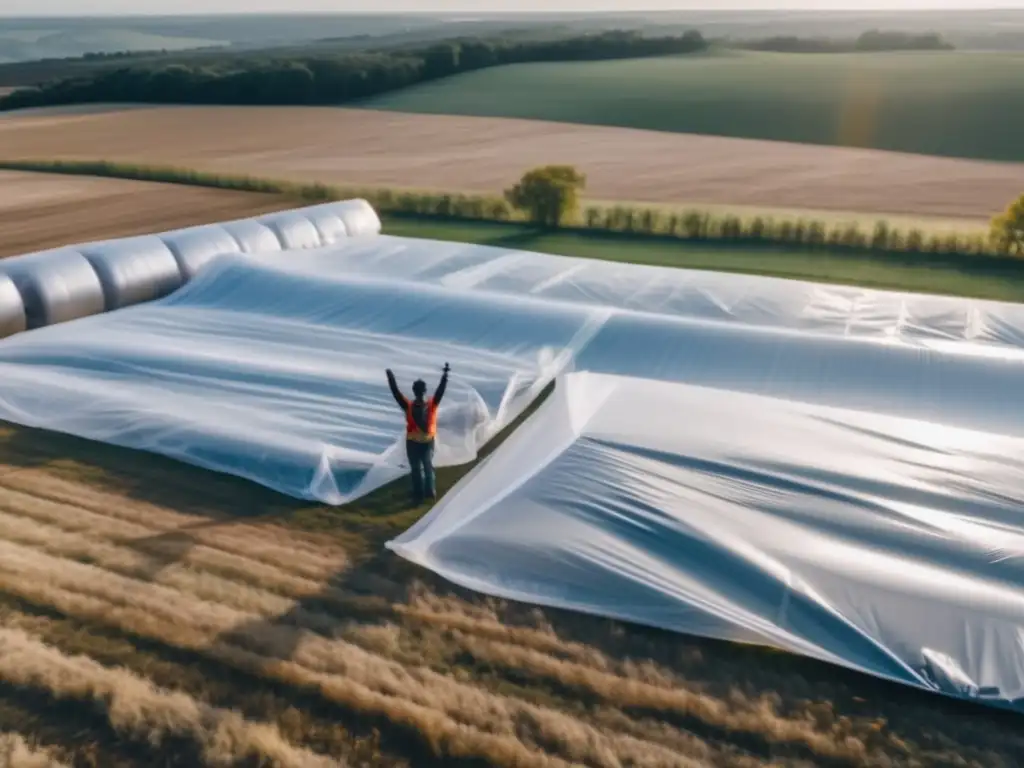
(323, 80)
(872, 41)
(550, 198)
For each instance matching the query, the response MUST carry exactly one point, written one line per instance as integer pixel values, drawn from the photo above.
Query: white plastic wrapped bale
(359, 217)
(885, 544)
(294, 230)
(133, 270)
(251, 236)
(194, 247)
(261, 370)
(55, 286)
(328, 224)
(12, 311)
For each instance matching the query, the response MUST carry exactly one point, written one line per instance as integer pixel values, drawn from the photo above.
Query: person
(420, 432)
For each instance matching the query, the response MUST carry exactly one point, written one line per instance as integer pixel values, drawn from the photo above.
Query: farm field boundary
(635, 223)
(885, 101)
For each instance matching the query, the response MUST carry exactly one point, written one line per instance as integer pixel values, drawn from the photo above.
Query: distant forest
(871, 41)
(326, 79)
(337, 79)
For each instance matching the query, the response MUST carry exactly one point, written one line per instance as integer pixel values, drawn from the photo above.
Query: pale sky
(138, 7)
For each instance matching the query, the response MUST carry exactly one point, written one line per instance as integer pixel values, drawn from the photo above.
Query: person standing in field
(420, 432)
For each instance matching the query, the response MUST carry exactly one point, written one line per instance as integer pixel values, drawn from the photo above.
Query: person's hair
(419, 387)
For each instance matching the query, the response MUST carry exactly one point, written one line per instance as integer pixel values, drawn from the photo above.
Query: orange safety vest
(412, 430)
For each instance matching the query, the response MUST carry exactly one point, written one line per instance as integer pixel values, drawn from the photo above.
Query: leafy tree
(258, 78)
(1008, 228)
(549, 196)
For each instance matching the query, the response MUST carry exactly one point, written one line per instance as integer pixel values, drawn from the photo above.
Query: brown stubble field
(153, 614)
(357, 147)
(40, 211)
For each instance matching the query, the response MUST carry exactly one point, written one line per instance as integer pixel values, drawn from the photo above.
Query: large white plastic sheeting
(916, 355)
(274, 373)
(133, 270)
(889, 545)
(748, 300)
(830, 470)
(55, 286)
(12, 310)
(194, 247)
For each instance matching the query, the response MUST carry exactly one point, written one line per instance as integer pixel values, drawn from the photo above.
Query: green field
(959, 104)
(979, 277)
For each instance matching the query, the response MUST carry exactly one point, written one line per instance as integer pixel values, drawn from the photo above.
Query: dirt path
(40, 211)
(482, 154)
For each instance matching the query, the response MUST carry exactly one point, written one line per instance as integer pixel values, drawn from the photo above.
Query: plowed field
(358, 147)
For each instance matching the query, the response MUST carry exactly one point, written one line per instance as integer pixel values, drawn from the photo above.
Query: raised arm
(443, 385)
(396, 392)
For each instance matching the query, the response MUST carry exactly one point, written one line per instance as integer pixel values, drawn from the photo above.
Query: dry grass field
(153, 614)
(363, 147)
(43, 211)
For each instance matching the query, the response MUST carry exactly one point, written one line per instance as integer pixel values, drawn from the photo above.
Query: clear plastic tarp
(276, 374)
(889, 545)
(826, 469)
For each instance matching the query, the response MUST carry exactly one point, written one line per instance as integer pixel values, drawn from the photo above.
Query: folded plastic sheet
(930, 357)
(888, 545)
(275, 374)
(851, 411)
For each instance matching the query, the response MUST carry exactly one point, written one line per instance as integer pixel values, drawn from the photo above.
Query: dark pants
(421, 462)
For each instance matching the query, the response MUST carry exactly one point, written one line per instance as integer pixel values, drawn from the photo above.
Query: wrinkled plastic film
(884, 544)
(825, 469)
(278, 376)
